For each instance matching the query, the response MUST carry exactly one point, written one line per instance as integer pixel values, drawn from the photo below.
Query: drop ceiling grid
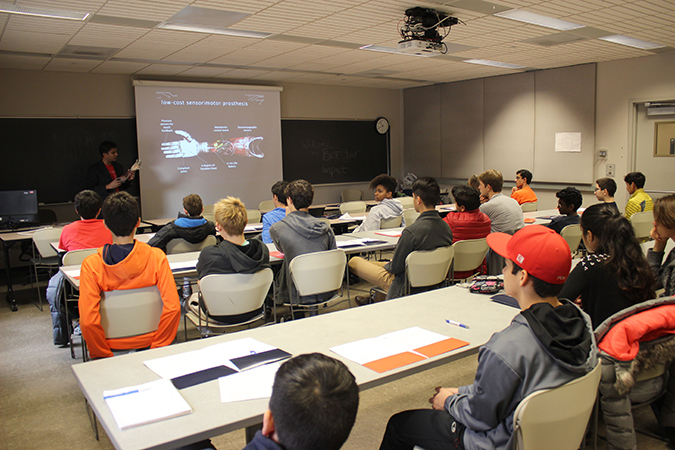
(206, 50)
(161, 69)
(23, 62)
(276, 76)
(71, 65)
(43, 25)
(28, 42)
(281, 61)
(102, 35)
(90, 6)
(240, 74)
(205, 72)
(243, 57)
(558, 10)
(245, 6)
(665, 4)
(119, 67)
(146, 10)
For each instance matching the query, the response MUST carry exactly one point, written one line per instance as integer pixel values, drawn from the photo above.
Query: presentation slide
(211, 140)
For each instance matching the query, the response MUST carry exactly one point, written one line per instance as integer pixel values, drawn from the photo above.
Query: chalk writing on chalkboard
(323, 151)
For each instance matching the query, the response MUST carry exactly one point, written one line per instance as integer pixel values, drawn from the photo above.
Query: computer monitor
(18, 207)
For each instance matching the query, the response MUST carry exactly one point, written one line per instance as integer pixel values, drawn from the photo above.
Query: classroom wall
(57, 94)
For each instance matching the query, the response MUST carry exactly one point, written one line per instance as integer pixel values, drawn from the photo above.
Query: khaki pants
(372, 272)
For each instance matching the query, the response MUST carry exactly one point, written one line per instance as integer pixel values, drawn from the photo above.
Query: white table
(537, 216)
(210, 417)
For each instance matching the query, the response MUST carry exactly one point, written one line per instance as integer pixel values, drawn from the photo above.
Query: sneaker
(77, 331)
(361, 300)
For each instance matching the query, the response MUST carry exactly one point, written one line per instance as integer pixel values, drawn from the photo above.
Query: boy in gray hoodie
(547, 345)
(299, 233)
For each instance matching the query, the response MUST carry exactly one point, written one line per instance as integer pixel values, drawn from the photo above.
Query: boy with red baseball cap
(547, 345)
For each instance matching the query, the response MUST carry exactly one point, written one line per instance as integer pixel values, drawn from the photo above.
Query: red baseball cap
(537, 249)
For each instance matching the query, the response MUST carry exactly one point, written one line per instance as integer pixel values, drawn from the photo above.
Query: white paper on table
(349, 243)
(145, 403)
(212, 356)
(179, 265)
(73, 273)
(392, 233)
(367, 350)
(248, 385)
(253, 227)
(414, 337)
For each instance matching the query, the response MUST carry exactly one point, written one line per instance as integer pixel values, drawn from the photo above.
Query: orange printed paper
(438, 348)
(393, 362)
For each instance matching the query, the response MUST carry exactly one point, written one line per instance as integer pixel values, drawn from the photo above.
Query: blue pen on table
(452, 322)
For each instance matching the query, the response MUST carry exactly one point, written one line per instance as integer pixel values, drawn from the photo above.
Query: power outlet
(611, 170)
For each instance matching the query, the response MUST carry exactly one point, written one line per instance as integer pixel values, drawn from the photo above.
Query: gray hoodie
(296, 234)
(386, 209)
(544, 347)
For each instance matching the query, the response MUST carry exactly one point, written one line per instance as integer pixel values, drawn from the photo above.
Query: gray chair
(394, 222)
(529, 206)
(407, 202)
(44, 256)
(72, 258)
(179, 245)
(428, 267)
(227, 295)
(254, 215)
(318, 273)
(642, 222)
(469, 255)
(267, 205)
(410, 216)
(355, 207)
(572, 235)
(350, 195)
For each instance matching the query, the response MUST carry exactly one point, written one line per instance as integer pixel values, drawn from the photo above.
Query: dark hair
(278, 189)
(635, 177)
(607, 183)
(88, 204)
(542, 288)
(664, 211)
(466, 196)
(106, 146)
(193, 205)
(121, 213)
(571, 196)
(617, 240)
(384, 180)
(314, 403)
(300, 192)
(492, 178)
(524, 173)
(473, 181)
(427, 189)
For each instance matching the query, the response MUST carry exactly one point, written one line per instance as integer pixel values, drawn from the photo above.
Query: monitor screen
(18, 206)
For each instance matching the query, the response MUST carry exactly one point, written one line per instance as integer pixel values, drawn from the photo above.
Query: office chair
(469, 256)
(44, 256)
(351, 195)
(572, 235)
(529, 206)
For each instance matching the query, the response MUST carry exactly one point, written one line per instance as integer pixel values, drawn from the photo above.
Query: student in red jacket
(467, 222)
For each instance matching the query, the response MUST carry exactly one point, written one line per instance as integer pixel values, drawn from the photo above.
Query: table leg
(8, 275)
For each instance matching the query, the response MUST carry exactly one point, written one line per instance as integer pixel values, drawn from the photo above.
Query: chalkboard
(333, 151)
(52, 155)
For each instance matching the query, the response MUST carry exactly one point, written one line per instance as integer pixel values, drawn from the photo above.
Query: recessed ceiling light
(213, 30)
(538, 19)
(379, 48)
(631, 42)
(485, 62)
(42, 12)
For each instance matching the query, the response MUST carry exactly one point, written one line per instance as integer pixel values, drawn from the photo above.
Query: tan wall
(56, 94)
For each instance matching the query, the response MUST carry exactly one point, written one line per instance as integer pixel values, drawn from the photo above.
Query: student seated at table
(467, 222)
(279, 211)
(504, 212)
(639, 200)
(615, 274)
(522, 192)
(88, 232)
(605, 188)
(549, 343)
(388, 208)
(313, 406)
(235, 254)
(125, 264)
(190, 225)
(296, 234)
(427, 233)
(569, 200)
(664, 228)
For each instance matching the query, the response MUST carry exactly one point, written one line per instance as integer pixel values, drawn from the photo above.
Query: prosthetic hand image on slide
(186, 148)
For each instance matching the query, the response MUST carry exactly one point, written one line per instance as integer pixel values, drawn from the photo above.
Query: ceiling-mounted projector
(420, 31)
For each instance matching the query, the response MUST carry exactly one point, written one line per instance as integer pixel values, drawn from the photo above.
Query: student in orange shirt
(126, 264)
(522, 192)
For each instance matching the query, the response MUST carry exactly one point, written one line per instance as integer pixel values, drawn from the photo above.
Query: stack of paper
(145, 403)
(392, 233)
(397, 349)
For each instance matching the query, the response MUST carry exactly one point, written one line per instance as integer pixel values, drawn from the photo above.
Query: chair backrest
(353, 207)
(208, 213)
(130, 312)
(318, 272)
(235, 293)
(469, 254)
(572, 235)
(254, 215)
(43, 238)
(394, 222)
(75, 257)
(428, 267)
(407, 202)
(179, 245)
(266, 205)
(642, 223)
(556, 419)
(529, 206)
(410, 216)
(351, 195)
